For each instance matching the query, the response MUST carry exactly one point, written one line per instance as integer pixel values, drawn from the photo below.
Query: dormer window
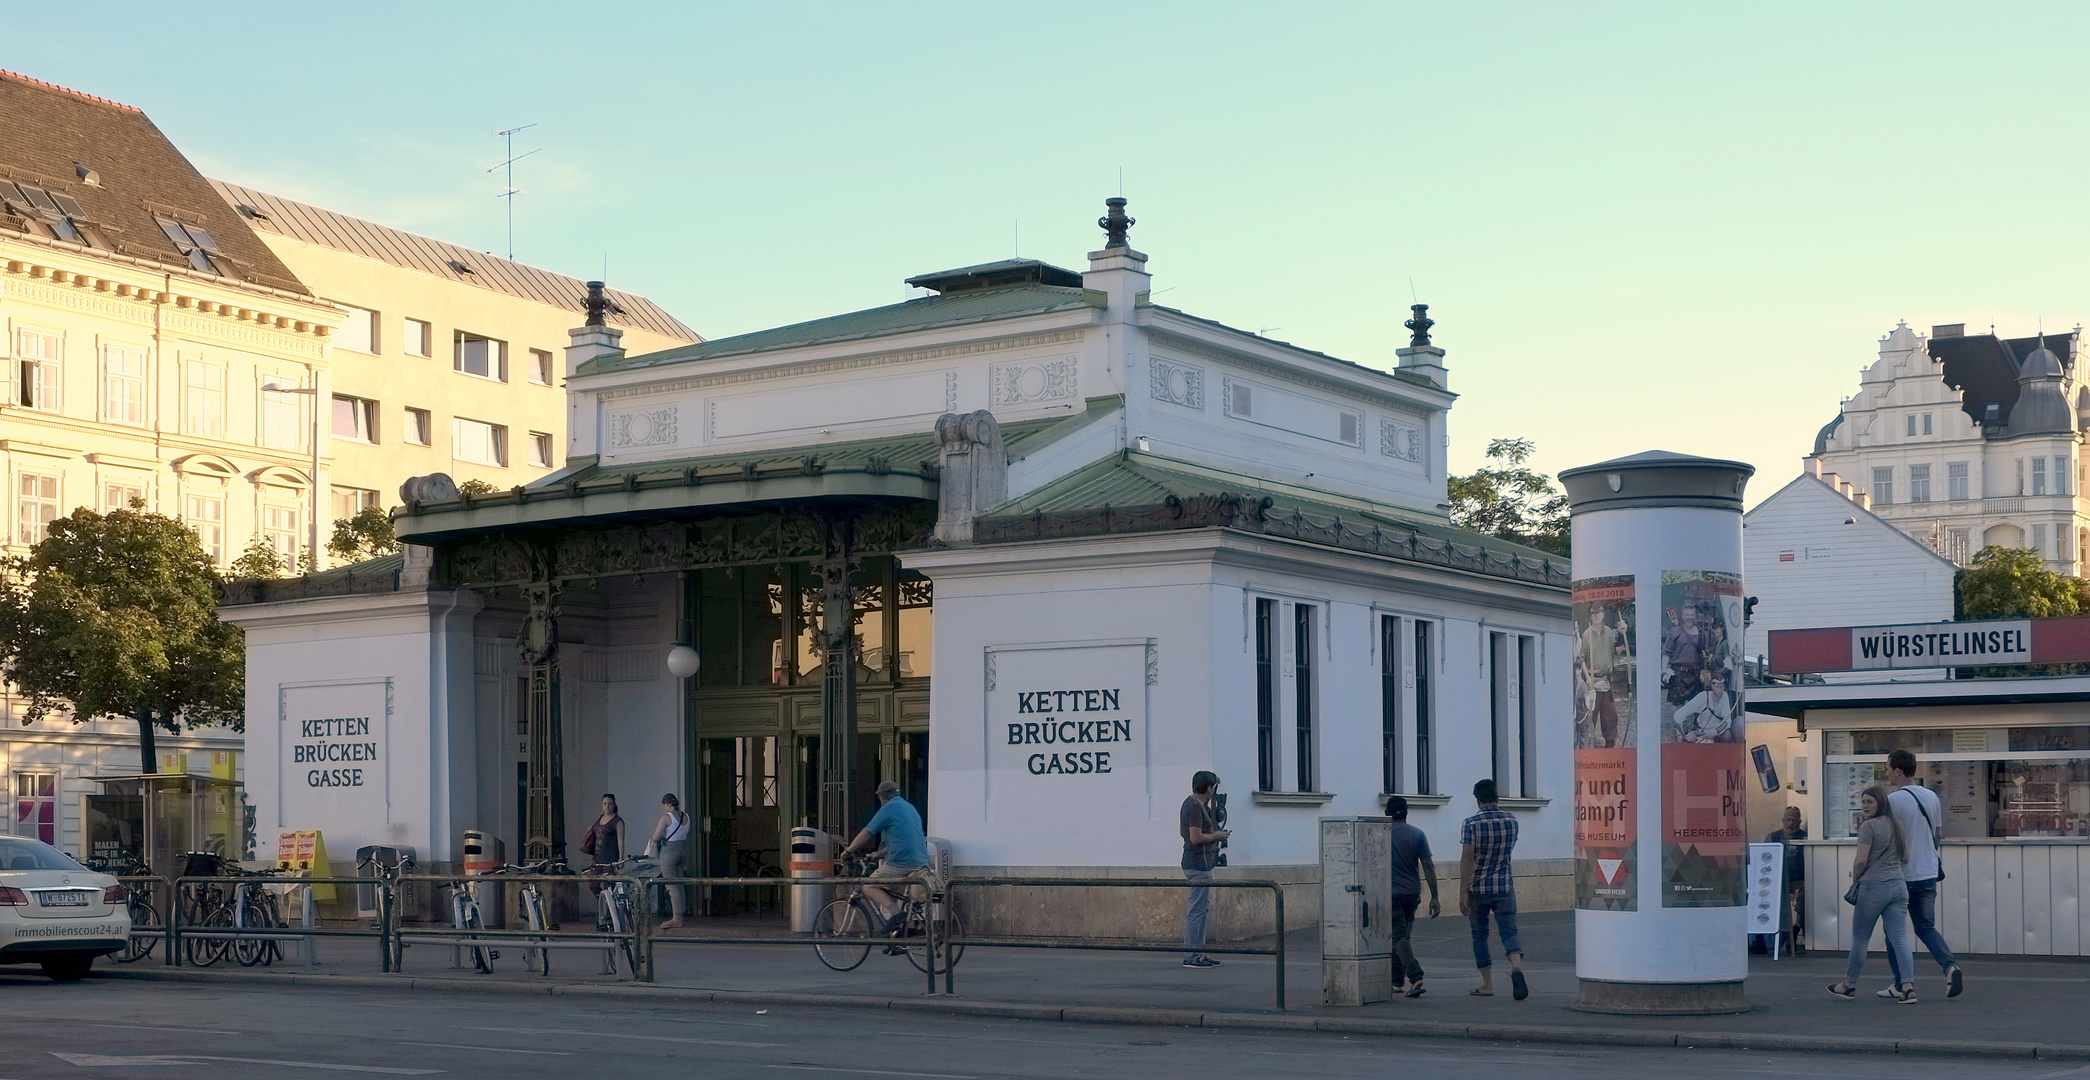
(196, 246)
(51, 214)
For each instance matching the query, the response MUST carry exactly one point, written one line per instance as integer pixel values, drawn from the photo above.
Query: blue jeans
(1923, 912)
(1882, 901)
(1194, 916)
(1504, 905)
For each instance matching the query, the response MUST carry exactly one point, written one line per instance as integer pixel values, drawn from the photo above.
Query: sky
(1638, 226)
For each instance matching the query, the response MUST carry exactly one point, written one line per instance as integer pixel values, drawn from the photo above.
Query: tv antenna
(509, 165)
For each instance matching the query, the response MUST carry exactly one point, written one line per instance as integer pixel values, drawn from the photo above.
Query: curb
(1094, 1014)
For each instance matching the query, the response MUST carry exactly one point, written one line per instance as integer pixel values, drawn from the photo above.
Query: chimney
(595, 337)
(1843, 487)
(1420, 356)
(1814, 466)
(1117, 271)
(1863, 498)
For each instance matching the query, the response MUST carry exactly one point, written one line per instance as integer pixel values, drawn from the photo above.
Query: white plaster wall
(1194, 600)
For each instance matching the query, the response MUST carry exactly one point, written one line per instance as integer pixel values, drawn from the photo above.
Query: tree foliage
(259, 561)
(364, 536)
(1510, 500)
(2014, 583)
(115, 615)
(476, 486)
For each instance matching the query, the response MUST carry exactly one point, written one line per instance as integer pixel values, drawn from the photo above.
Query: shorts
(921, 875)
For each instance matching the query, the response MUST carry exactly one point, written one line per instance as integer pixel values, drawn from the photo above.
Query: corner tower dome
(2042, 408)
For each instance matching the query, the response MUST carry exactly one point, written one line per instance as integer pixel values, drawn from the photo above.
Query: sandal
(1843, 990)
(1415, 990)
(1519, 989)
(1478, 992)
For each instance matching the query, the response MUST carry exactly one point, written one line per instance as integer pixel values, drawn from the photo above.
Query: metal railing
(634, 939)
(1276, 949)
(182, 919)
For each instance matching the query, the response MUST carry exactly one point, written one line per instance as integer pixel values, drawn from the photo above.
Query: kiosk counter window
(1995, 782)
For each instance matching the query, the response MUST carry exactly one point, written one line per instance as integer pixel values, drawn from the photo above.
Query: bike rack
(307, 933)
(400, 935)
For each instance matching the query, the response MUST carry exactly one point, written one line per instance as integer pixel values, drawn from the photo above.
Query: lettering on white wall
(1068, 720)
(332, 754)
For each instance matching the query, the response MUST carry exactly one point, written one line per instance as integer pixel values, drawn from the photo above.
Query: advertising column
(1661, 842)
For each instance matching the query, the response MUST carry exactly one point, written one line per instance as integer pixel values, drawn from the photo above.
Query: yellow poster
(305, 852)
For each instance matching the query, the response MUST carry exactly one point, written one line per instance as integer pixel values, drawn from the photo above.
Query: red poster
(1705, 842)
(1606, 854)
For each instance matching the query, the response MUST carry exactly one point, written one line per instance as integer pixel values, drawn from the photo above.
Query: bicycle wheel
(841, 936)
(482, 957)
(260, 914)
(146, 931)
(948, 955)
(203, 952)
(538, 960)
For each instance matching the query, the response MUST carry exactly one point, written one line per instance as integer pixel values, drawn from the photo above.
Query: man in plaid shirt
(1485, 885)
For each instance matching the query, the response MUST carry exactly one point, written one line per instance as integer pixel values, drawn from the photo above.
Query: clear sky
(1660, 225)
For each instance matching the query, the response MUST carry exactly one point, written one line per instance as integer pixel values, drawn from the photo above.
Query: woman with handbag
(1879, 894)
(604, 841)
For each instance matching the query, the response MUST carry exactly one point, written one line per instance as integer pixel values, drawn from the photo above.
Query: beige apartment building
(448, 359)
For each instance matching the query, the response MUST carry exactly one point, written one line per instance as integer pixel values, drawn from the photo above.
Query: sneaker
(1890, 992)
(1201, 962)
(1906, 995)
(1955, 982)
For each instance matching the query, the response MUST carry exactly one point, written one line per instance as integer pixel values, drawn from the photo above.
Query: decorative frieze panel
(853, 363)
(1177, 383)
(1024, 382)
(641, 428)
(1401, 441)
(1298, 414)
(925, 394)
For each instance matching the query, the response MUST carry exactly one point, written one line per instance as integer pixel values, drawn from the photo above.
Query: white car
(55, 912)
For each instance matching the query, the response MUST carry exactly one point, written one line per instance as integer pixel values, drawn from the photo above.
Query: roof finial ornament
(1115, 223)
(1421, 324)
(598, 304)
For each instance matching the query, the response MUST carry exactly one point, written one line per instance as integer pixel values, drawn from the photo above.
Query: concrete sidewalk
(2013, 1008)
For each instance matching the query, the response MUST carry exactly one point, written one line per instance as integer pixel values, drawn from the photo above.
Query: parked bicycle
(849, 926)
(146, 926)
(202, 907)
(253, 907)
(535, 913)
(616, 906)
(464, 918)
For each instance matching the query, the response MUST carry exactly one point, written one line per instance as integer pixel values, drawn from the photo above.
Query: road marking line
(193, 1031)
(871, 1072)
(312, 1065)
(93, 1061)
(621, 1035)
(496, 1049)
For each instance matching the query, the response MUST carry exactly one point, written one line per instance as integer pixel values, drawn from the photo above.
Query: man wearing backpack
(1918, 812)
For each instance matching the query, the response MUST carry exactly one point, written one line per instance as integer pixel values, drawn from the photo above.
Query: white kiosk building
(1034, 547)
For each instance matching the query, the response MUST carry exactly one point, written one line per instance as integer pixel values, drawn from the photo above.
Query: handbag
(588, 842)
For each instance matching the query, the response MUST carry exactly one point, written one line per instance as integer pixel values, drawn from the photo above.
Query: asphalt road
(173, 1030)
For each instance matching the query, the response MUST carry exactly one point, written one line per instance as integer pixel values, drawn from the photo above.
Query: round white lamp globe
(682, 661)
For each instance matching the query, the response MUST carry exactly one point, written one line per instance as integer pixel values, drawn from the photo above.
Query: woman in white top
(670, 839)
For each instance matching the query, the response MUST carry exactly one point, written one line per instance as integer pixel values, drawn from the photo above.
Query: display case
(161, 816)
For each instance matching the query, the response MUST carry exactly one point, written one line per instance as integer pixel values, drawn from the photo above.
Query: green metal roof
(1133, 492)
(927, 313)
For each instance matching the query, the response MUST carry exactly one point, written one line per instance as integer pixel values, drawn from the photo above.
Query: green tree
(115, 615)
(476, 486)
(364, 536)
(2013, 583)
(1510, 500)
(259, 561)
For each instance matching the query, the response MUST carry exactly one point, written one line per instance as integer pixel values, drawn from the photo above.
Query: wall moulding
(853, 363)
(1389, 402)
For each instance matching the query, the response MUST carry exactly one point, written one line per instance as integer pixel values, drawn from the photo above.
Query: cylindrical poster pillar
(1661, 843)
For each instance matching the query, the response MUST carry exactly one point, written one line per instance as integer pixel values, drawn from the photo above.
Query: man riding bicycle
(906, 850)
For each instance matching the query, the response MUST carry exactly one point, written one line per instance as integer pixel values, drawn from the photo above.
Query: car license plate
(74, 898)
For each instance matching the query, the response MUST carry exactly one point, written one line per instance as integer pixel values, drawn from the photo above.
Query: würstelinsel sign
(1988, 642)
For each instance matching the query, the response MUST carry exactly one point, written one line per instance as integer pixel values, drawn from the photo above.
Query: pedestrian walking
(1411, 867)
(1881, 895)
(1199, 825)
(669, 847)
(1487, 887)
(1920, 814)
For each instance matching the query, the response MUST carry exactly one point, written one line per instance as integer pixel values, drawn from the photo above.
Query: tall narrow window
(1926, 424)
(123, 385)
(540, 449)
(36, 506)
(1303, 688)
(2039, 541)
(206, 515)
(416, 337)
(36, 806)
(1527, 714)
(279, 526)
(1502, 695)
(1266, 695)
(1956, 480)
(1425, 712)
(1882, 486)
(1919, 483)
(37, 355)
(1389, 703)
(2039, 476)
(2060, 476)
(1912, 423)
(203, 400)
(282, 417)
(2061, 543)
(540, 367)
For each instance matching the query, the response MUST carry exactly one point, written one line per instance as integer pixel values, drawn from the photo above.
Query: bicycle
(843, 931)
(146, 925)
(464, 917)
(202, 907)
(254, 907)
(388, 896)
(535, 915)
(616, 908)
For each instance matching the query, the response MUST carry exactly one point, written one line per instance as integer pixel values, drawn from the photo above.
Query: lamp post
(272, 388)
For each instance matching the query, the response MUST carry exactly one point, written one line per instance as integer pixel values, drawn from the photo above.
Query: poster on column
(1704, 827)
(1606, 769)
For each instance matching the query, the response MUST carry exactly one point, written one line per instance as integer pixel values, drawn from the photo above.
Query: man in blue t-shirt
(898, 825)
